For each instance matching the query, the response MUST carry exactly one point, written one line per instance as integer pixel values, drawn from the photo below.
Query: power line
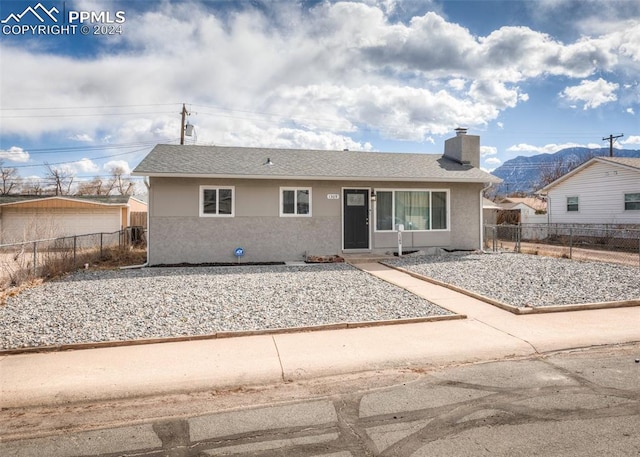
(22, 116)
(89, 148)
(77, 160)
(85, 107)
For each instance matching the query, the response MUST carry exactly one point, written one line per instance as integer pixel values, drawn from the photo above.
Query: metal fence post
(35, 258)
(101, 233)
(495, 237)
(75, 238)
(570, 242)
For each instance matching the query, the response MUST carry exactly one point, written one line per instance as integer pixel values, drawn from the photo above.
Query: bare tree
(32, 187)
(9, 179)
(60, 179)
(121, 183)
(97, 186)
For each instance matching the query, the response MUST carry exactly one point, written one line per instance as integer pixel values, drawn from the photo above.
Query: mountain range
(524, 174)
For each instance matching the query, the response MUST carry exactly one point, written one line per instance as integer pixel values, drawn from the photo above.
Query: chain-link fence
(601, 242)
(42, 258)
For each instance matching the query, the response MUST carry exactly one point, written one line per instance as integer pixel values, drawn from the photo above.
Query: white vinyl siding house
(601, 191)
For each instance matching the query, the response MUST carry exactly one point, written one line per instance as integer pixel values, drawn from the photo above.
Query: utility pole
(611, 138)
(184, 114)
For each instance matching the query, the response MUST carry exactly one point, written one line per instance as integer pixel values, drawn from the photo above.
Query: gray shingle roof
(633, 162)
(102, 199)
(240, 162)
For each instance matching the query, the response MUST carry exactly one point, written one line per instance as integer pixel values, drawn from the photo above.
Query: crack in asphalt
(403, 419)
(496, 406)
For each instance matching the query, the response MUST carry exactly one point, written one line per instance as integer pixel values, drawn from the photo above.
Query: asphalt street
(577, 403)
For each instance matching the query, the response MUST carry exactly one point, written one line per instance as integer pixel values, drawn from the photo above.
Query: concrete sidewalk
(488, 334)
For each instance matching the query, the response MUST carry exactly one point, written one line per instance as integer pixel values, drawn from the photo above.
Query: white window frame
(624, 201)
(201, 201)
(393, 209)
(567, 204)
(295, 190)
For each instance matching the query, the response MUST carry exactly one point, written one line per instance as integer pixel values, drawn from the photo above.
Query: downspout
(146, 264)
(482, 216)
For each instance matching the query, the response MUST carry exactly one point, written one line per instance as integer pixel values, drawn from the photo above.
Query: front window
(216, 201)
(295, 201)
(417, 210)
(572, 204)
(632, 202)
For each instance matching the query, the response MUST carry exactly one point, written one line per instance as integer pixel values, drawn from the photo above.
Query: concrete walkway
(487, 334)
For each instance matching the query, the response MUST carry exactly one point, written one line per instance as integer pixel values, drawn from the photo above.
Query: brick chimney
(463, 148)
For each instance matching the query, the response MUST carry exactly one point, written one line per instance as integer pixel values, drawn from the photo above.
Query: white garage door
(34, 224)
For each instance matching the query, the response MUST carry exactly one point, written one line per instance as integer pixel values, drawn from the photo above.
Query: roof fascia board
(319, 178)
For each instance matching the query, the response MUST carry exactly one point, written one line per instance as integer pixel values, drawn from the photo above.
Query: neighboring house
(490, 211)
(286, 204)
(531, 210)
(29, 217)
(604, 190)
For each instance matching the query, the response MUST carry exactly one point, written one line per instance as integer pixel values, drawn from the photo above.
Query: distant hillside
(523, 174)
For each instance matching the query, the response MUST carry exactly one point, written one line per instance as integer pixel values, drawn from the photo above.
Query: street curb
(229, 334)
(515, 309)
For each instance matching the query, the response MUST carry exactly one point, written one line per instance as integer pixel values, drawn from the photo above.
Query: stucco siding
(600, 189)
(465, 216)
(264, 239)
(412, 240)
(178, 234)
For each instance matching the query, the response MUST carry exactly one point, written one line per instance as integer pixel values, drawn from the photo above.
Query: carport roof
(196, 161)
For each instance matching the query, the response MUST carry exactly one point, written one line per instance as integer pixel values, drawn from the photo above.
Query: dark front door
(355, 220)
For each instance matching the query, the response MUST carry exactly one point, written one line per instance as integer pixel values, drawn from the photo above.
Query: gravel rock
(94, 306)
(528, 280)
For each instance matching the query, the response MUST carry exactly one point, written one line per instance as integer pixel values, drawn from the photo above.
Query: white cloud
(630, 111)
(334, 70)
(492, 161)
(546, 149)
(78, 167)
(488, 151)
(82, 137)
(14, 154)
(494, 93)
(85, 166)
(123, 164)
(591, 93)
(633, 139)
(457, 84)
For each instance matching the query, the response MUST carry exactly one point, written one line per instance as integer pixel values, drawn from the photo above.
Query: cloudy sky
(386, 75)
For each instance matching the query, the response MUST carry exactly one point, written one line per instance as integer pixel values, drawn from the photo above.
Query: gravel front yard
(522, 279)
(116, 305)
